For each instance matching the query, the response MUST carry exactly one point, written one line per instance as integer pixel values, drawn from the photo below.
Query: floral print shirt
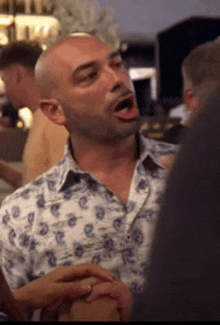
(67, 217)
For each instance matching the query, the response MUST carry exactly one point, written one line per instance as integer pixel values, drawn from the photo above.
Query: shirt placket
(137, 199)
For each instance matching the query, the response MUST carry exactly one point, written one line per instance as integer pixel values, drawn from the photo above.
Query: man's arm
(10, 175)
(44, 148)
(56, 139)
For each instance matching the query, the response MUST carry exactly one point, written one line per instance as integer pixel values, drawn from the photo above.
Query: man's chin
(127, 130)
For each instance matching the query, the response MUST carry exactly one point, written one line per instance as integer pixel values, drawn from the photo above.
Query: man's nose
(115, 79)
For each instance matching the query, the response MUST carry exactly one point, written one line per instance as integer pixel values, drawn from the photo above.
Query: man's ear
(53, 111)
(192, 105)
(190, 99)
(16, 74)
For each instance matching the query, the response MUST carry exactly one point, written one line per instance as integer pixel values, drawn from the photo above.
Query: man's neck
(32, 102)
(100, 158)
(32, 96)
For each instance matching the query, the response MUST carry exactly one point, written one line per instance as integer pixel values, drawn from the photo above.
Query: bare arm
(44, 147)
(10, 175)
(56, 138)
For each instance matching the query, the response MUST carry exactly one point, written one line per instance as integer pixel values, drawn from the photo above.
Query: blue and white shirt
(67, 217)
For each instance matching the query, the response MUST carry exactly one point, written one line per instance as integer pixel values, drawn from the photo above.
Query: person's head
(201, 76)
(17, 62)
(85, 87)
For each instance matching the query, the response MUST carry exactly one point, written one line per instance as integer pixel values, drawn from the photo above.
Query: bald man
(42, 150)
(99, 204)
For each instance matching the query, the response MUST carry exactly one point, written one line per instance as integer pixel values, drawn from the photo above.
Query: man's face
(11, 87)
(95, 90)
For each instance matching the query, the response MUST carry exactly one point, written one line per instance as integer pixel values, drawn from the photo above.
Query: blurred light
(2, 86)
(39, 26)
(3, 38)
(142, 73)
(6, 20)
(19, 125)
(124, 47)
(145, 73)
(26, 116)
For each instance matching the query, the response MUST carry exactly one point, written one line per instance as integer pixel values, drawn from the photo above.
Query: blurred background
(156, 36)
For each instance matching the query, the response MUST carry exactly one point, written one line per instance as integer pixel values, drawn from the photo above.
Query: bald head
(82, 80)
(51, 66)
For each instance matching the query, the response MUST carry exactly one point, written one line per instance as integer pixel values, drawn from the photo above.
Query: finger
(117, 290)
(49, 314)
(68, 290)
(90, 281)
(64, 313)
(73, 290)
(102, 289)
(77, 289)
(69, 273)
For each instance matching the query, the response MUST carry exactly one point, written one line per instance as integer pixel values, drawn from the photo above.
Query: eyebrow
(114, 55)
(92, 63)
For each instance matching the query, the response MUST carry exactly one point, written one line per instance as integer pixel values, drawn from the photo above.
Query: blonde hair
(82, 16)
(201, 69)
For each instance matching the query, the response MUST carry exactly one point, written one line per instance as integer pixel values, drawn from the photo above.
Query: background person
(42, 149)
(201, 78)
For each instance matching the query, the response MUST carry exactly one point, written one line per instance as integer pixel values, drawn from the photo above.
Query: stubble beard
(103, 130)
(109, 135)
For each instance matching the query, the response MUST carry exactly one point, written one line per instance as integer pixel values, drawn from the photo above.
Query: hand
(101, 310)
(64, 282)
(119, 292)
(61, 309)
(109, 301)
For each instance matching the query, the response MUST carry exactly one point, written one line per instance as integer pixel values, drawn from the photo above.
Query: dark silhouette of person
(183, 281)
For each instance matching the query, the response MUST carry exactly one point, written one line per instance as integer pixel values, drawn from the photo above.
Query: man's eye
(88, 77)
(119, 64)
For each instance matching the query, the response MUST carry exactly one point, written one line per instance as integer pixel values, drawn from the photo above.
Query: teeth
(124, 110)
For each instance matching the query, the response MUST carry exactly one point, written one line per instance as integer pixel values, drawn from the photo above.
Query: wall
(147, 17)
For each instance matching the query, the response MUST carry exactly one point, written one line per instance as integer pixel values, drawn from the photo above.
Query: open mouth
(126, 109)
(124, 106)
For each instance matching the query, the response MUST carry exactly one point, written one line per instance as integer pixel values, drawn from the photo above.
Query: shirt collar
(147, 148)
(154, 149)
(67, 166)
